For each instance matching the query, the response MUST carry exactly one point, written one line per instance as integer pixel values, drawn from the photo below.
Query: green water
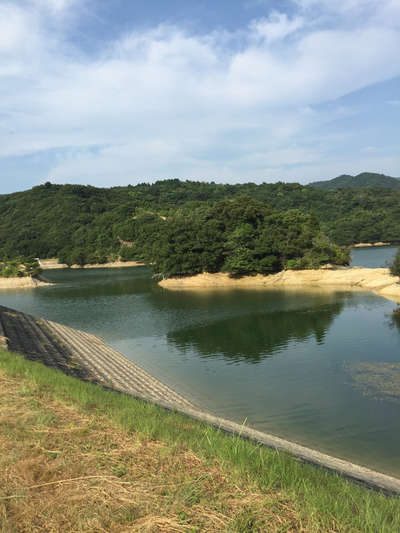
(278, 359)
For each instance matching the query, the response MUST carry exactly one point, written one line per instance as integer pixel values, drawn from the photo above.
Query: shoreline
(51, 264)
(88, 358)
(377, 280)
(371, 244)
(82, 355)
(26, 282)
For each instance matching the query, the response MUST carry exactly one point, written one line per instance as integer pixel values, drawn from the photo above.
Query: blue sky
(114, 92)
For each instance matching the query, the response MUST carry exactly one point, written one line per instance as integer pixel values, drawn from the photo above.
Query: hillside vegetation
(239, 236)
(19, 268)
(84, 224)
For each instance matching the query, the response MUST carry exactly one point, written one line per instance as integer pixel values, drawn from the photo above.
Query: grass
(75, 457)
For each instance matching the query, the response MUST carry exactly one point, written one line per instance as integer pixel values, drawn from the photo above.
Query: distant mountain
(365, 179)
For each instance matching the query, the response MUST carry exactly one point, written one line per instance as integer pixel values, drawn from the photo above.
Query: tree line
(19, 268)
(238, 236)
(84, 224)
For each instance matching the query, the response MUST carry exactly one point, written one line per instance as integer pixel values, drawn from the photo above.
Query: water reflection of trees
(396, 318)
(252, 338)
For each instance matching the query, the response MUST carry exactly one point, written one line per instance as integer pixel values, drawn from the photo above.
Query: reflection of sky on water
(373, 257)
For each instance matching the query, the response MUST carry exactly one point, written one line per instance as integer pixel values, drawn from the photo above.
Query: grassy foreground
(74, 457)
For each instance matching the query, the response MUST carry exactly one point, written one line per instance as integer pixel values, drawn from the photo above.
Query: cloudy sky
(125, 91)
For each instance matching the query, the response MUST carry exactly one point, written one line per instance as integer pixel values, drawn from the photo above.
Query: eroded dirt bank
(370, 244)
(49, 264)
(22, 283)
(378, 280)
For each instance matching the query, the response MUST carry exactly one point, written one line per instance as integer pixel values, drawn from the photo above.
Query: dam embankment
(87, 357)
(378, 280)
(81, 355)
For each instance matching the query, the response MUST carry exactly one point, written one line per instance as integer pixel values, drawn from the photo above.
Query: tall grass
(325, 499)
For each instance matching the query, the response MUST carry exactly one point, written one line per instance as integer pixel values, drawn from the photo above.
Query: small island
(242, 243)
(239, 237)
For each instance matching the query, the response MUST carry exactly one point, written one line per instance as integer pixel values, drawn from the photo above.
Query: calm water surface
(277, 359)
(375, 257)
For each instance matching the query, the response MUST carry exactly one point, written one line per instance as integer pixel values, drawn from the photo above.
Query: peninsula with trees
(20, 273)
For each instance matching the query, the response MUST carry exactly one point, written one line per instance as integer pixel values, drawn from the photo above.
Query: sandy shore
(22, 283)
(49, 264)
(370, 244)
(377, 280)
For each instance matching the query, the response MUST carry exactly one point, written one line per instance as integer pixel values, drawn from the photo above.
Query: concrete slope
(82, 355)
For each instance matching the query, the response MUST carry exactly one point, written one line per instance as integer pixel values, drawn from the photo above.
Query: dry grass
(63, 469)
(76, 457)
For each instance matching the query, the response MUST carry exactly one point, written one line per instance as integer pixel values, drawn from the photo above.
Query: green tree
(32, 267)
(127, 253)
(395, 266)
(79, 257)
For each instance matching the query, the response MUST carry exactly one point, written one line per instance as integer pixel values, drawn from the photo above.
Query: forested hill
(87, 224)
(365, 179)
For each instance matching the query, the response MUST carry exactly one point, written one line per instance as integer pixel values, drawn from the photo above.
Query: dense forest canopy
(85, 224)
(239, 236)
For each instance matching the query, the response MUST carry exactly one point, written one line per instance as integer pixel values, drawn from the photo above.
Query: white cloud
(55, 6)
(21, 49)
(162, 102)
(12, 29)
(276, 27)
(18, 31)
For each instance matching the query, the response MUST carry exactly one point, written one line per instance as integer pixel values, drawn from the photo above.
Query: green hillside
(84, 224)
(365, 179)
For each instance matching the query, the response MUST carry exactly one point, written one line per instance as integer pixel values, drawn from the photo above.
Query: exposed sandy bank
(49, 264)
(22, 283)
(371, 244)
(378, 280)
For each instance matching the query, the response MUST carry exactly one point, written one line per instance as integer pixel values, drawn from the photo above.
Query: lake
(317, 367)
(373, 257)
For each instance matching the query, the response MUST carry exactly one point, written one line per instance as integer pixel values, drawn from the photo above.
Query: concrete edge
(370, 478)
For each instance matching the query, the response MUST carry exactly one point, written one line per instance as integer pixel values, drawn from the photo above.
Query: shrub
(395, 266)
(32, 267)
(19, 268)
(127, 253)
